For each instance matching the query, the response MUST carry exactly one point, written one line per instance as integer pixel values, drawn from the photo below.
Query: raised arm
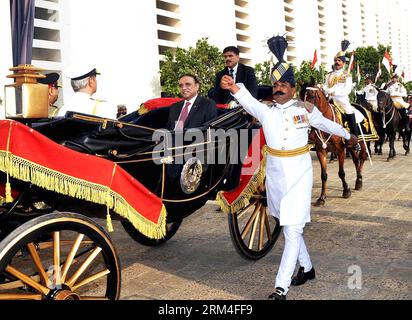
(317, 120)
(243, 96)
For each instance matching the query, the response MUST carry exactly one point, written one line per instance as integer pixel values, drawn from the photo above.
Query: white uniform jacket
(83, 103)
(397, 90)
(288, 180)
(371, 93)
(339, 83)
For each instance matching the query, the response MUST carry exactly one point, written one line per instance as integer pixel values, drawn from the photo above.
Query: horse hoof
(320, 203)
(346, 194)
(359, 186)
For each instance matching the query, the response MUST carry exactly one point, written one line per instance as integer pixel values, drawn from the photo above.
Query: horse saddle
(363, 118)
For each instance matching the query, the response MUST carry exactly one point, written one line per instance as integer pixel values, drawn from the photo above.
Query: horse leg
(322, 156)
(406, 140)
(342, 175)
(359, 160)
(369, 147)
(392, 138)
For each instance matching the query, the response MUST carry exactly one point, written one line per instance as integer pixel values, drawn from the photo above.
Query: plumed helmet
(282, 71)
(342, 54)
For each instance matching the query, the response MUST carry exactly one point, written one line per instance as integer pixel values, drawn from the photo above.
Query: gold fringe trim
(54, 181)
(243, 199)
(142, 110)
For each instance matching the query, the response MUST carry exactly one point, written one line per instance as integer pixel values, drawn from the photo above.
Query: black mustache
(278, 93)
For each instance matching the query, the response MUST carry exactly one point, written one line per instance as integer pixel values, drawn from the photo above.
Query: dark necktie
(232, 73)
(183, 116)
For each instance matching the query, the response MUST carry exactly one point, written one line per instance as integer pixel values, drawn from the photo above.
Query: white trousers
(295, 250)
(344, 103)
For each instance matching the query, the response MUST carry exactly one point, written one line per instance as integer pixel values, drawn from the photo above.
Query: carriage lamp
(26, 98)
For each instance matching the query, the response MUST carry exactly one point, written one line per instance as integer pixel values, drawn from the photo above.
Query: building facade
(126, 39)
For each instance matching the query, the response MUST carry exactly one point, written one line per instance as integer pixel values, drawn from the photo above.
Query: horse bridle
(317, 131)
(384, 114)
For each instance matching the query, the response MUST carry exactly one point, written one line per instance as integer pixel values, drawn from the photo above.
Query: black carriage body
(156, 157)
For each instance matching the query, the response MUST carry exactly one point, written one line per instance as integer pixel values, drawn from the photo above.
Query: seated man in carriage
(84, 83)
(194, 110)
(397, 92)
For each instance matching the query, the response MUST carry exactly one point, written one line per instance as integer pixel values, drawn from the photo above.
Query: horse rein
(318, 132)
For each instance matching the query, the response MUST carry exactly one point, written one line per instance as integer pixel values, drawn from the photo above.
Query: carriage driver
(397, 92)
(339, 85)
(289, 173)
(84, 83)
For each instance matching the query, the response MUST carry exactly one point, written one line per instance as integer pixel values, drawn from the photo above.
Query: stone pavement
(361, 247)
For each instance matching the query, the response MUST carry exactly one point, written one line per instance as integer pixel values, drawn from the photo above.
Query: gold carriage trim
(286, 153)
(243, 200)
(54, 181)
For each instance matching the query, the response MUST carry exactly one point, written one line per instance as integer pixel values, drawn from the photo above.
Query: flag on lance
(378, 75)
(387, 62)
(352, 62)
(314, 61)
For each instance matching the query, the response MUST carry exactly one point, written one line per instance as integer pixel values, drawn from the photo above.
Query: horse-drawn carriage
(57, 174)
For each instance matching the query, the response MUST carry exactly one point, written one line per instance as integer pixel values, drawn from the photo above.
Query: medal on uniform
(301, 121)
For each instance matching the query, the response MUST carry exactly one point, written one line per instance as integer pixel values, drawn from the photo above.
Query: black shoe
(303, 276)
(279, 294)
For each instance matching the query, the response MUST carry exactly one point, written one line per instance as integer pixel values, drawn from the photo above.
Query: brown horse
(325, 143)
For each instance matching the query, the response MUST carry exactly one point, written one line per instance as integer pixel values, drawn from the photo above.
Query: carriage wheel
(171, 229)
(253, 230)
(59, 257)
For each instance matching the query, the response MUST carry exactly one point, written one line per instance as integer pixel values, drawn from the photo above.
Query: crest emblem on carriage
(191, 175)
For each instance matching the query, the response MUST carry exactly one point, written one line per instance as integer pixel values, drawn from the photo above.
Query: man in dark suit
(239, 72)
(194, 110)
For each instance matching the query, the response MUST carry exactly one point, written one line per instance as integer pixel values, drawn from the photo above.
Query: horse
(325, 143)
(377, 122)
(392, 123)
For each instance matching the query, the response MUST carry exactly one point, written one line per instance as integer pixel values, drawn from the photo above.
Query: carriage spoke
(48, 245)
(56, 258)
(241, 213)
(27, 280)
(37, 262)
(83, 267)
(269, 233)
(262, 229)
(71, 256)
(250, 222)
(253, 234)
(7, 296)
(91, 279)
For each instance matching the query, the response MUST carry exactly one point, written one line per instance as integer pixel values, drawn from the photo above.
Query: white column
(267, 20)
(120, 39)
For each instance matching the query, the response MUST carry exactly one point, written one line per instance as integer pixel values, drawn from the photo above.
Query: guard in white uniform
(84, 84)
(397, 92)
(371, 94)
(289, 173)
(339, 85)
